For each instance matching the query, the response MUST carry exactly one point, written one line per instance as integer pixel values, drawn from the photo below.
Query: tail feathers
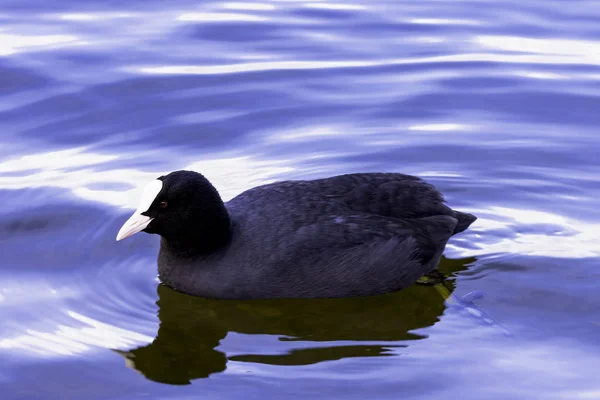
(464, 221)
(440, 227)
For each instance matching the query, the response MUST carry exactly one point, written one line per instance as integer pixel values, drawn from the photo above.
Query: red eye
(163, 204)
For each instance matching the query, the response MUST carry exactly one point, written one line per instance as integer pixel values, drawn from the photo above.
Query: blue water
(496, 103)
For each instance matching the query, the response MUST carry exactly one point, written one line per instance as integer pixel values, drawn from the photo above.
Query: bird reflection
(191, 328)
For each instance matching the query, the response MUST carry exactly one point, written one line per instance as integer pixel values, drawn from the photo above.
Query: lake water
(496, 103)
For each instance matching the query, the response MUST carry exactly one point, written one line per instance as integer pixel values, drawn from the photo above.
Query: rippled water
(496, 103)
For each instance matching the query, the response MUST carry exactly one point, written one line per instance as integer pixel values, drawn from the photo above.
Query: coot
(349, 235)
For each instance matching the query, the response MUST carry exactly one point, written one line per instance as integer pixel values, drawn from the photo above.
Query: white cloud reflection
(336, 6)
(439, 127)
(189, 69)
(89, 17)
(548, 235)
(220, 17)
(444, 21)
(53, 331)
(480, 48)
(78, 170)
(69, 339)
(12, 43)
(248, 6)
(581, 49)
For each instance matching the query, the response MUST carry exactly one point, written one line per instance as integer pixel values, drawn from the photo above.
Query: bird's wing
(332, 233)
(362, 254)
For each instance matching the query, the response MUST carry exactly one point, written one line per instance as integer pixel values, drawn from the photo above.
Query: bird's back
(385, 194)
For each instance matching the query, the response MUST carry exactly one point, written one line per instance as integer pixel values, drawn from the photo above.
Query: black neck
(205, 236)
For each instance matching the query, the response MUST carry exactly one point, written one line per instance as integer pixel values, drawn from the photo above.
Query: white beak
(138, 222)
(135, 223)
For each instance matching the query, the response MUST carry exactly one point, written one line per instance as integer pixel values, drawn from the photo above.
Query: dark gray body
(350, 235)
